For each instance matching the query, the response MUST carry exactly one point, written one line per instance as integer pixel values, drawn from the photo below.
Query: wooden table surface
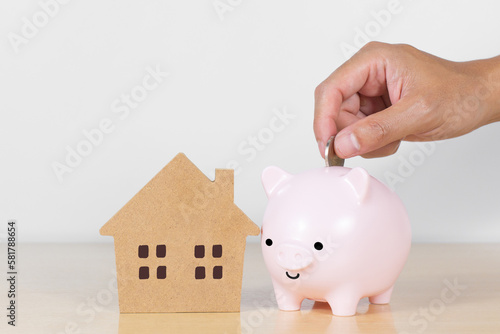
(444, 288)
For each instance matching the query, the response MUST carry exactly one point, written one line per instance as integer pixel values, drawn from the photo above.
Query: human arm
(388, 93)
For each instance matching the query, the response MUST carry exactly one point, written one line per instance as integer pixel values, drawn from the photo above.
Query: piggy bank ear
(359, 180)
(272, 177)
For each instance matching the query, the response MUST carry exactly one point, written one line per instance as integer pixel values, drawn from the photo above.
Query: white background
(227, 73)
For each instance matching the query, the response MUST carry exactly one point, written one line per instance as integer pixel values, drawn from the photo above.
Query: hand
(388, 93)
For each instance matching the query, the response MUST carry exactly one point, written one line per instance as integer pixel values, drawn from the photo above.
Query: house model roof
(184, 198)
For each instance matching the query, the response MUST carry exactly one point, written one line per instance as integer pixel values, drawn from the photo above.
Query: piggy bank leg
(343, 303)
(287, 300)
(382, 298)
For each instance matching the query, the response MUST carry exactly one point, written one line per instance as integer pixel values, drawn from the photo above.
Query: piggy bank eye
(269, 242)
(318, 245)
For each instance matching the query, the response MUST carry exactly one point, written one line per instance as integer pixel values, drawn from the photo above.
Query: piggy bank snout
(293, 257)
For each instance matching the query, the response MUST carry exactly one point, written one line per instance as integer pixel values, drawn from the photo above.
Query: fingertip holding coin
(331, 158)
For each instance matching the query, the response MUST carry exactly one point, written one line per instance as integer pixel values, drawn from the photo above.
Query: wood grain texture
(444, 288)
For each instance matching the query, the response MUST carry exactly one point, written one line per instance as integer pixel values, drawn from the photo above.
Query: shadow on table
(369, 319)
(318, 319)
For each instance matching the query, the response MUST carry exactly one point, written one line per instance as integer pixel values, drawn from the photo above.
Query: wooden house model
(180, 243)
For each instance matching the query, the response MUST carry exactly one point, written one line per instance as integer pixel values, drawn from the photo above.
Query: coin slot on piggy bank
(332, 234)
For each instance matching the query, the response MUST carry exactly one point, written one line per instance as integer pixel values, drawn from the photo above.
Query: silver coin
(331, 158)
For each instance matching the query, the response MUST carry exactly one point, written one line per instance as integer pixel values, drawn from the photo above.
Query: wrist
(489, 88)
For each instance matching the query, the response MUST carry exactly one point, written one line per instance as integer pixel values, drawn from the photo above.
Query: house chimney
(224, 179)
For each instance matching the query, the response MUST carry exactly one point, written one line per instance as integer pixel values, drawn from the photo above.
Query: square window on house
(161, 272)
(217, 272)
(199, 251)
(217, 250)
(199, 273)
(143, 272)
(161, 251)
(143, 251)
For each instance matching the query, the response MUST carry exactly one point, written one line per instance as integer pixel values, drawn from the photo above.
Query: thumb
(377, 130)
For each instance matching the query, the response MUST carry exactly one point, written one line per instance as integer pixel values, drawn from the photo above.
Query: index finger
(364, 73)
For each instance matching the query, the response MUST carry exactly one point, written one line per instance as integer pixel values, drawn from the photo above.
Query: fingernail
(347, 144)
(321, 147)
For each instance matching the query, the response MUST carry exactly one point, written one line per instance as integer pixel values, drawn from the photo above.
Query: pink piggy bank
(332, 234)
